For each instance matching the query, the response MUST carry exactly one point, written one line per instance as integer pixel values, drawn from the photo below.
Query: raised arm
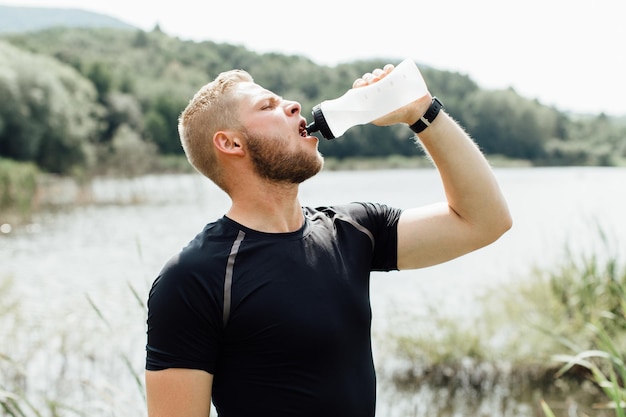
(475, 212)
(178, 392)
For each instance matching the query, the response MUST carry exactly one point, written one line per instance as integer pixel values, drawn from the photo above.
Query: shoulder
(371, 219)
(198, 267)
(364, 213)
(212, 244)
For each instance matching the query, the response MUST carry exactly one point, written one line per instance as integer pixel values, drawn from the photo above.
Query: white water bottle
(364, 104)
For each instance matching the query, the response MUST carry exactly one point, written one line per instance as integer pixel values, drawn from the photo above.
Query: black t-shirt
(282, 320)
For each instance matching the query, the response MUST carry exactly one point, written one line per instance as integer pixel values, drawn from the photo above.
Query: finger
(359, 82)
(367, 77)
(385, 71)
(375, 75)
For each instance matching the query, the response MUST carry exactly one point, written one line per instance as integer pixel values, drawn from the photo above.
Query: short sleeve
(382, 222)
(184, 328)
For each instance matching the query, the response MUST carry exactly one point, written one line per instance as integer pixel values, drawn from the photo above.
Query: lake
(81, 275)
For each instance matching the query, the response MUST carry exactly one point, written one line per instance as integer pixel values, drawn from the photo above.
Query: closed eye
(270, 103)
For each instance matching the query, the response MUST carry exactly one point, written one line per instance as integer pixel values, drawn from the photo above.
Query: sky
(570, 54)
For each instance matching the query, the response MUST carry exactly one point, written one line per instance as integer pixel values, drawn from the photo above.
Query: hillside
(26, 19)
(131, 85)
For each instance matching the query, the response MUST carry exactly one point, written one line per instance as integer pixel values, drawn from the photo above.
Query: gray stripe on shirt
(228, 278)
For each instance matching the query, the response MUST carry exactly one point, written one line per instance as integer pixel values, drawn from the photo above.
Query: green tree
(130, 156)
(162, 73)
(121, 109)
(162, 123)
(602, 140)
(101, 77)
(47, 112)
(502, 122)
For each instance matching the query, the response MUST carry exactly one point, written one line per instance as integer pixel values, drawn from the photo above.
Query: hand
(407, 114)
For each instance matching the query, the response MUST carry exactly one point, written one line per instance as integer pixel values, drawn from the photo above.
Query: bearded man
(266, 312)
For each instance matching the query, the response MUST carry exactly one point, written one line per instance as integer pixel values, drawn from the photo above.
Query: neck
(270, 208)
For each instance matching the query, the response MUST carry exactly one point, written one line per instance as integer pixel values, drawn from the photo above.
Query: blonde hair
(210, 110)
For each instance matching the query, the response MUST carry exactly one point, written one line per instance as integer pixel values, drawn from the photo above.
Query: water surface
(78, 273)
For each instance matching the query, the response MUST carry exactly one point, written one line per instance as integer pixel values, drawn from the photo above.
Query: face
(274, 131)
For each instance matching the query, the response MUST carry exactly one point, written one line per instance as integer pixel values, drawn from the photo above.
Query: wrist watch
(428, 117)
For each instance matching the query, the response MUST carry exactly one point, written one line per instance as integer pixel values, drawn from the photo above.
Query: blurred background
(96, 194)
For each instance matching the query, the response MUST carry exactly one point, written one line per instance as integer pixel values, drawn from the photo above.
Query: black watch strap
(428, 117)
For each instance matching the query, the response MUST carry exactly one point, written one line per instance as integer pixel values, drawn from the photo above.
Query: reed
(518, 341)
(599, 299)
(585, 302)
(79, 365)
(18, 189)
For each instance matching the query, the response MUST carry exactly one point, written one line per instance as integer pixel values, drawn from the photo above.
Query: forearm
(470, 186)
(475, 212)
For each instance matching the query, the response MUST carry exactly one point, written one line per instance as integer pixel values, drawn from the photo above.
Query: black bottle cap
(319, 124)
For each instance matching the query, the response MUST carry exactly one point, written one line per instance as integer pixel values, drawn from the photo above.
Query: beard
(271, 162)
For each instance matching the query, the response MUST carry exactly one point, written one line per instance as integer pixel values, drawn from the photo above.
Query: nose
(293, 108)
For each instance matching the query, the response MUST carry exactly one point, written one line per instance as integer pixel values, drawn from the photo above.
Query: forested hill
(25, 19)
(72, 97)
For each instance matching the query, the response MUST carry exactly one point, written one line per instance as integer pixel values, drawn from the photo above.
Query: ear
(228, 142)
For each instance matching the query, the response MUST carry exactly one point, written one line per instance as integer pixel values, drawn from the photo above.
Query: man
(266, 312)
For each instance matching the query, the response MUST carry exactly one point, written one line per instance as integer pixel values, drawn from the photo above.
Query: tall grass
(554, 339)
(593, 290)
(18, 188)
(77, 364)
(579, 311)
